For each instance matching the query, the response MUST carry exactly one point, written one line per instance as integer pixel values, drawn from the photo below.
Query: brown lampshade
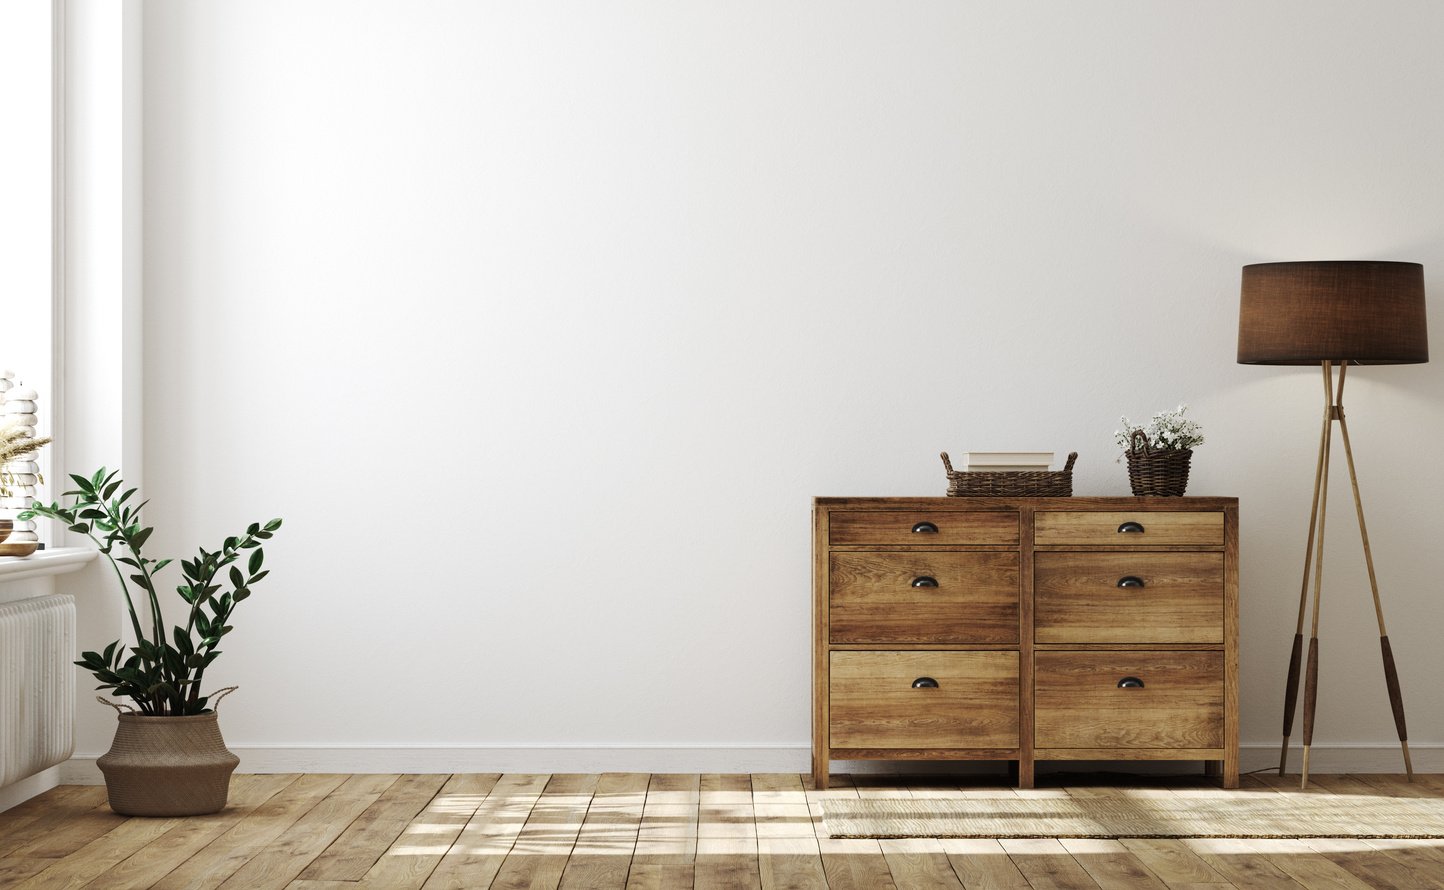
(1360, 311)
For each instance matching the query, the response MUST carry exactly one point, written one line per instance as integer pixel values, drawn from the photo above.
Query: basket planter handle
(1134, 443)
(123, 708)
(947, 463)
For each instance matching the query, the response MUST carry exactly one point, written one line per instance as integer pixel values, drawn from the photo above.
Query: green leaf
(237, 579)
(258, 576)
(80, 528)
(255, 563)
(242, 593)
(109, 490)
(83, 483)
(139, 539)
(273, 525)
(159, 564)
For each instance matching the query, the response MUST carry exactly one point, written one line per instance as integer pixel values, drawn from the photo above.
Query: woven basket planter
(1156, 472)
(168, 766)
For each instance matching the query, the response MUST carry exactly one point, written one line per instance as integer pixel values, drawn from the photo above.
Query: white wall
(540, 324)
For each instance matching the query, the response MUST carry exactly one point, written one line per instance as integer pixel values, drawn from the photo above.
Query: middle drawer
(923, 597)
(1152, 597)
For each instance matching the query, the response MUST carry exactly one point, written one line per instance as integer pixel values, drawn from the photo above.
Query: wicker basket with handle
(1156, 472)
(1011, 483)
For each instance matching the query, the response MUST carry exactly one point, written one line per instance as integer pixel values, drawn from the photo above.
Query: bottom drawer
(1090, 700)
(923, 700)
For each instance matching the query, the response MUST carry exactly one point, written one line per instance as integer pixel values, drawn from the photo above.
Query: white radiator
(37, 685)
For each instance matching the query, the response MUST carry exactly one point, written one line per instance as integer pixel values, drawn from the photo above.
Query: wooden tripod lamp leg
(1391, 673)
(1291, 687)
(1311, 674)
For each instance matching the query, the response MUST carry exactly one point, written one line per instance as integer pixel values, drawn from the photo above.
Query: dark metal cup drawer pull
(925, 683)
(925, 528)
(1130, 581)
(1130, 527)
(925, 581)
(1130, 683)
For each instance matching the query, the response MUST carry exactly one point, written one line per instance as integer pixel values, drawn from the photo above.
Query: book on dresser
(1026, 630)
(994, 461)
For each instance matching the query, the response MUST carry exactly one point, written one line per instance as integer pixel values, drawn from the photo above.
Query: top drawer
(894, 527)
(1130, 529)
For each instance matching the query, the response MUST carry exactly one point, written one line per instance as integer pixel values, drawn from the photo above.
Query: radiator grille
(37, 685)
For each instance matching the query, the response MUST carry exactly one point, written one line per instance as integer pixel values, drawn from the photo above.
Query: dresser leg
(820, 766)
(1025, 772)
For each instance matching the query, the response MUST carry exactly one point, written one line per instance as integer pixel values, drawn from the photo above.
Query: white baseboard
(1324, 759)
(18, 792)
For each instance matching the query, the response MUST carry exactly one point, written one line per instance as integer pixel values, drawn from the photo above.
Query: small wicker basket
(1156, 472)
(1012, 483)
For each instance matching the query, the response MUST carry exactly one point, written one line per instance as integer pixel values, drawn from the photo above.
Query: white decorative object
(18, 408)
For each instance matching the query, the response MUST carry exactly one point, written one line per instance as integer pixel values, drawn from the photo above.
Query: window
(27, 198)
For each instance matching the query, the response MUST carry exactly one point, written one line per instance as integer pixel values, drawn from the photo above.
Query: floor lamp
(1333, 314)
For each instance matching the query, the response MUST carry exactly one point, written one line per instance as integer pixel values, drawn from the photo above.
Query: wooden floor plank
(417, 850)
(1172, 861)
(539, 856)
(479, 850)
(360, 846)
(283, 860)
(854, 864)
(26, 821)
(663, 831)
(1046, 865)
(1111, 864)
(602, 856)
(219, 859)
(1240, 864)
(790, 863)
(168, 852)
(666, 848)
(80, 867)
(71, 829)
(983, 864)
(920, 863)
(726, 834)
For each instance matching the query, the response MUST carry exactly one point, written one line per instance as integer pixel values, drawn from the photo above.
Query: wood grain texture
(874, 703)
(357, 848)
(1078, 703)
(1027, 639)
(821, 619)
(478, 852)
(254, 834)
(1101, 527)
(792, 851)
(1077, 598)
(309, 836)
(1231, 545)
(1068, 559)
(974, 598)
(172, 849)
(883, 527)
(539, 856)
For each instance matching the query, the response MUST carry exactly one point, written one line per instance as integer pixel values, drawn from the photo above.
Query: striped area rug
(1262, 815)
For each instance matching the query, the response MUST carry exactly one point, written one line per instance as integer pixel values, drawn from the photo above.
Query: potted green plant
(1160, 452)
(168, 757)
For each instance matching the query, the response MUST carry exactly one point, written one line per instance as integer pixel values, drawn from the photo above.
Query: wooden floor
(629, 830)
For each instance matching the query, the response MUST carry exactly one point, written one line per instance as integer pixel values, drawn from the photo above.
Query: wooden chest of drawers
(1025, 629)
